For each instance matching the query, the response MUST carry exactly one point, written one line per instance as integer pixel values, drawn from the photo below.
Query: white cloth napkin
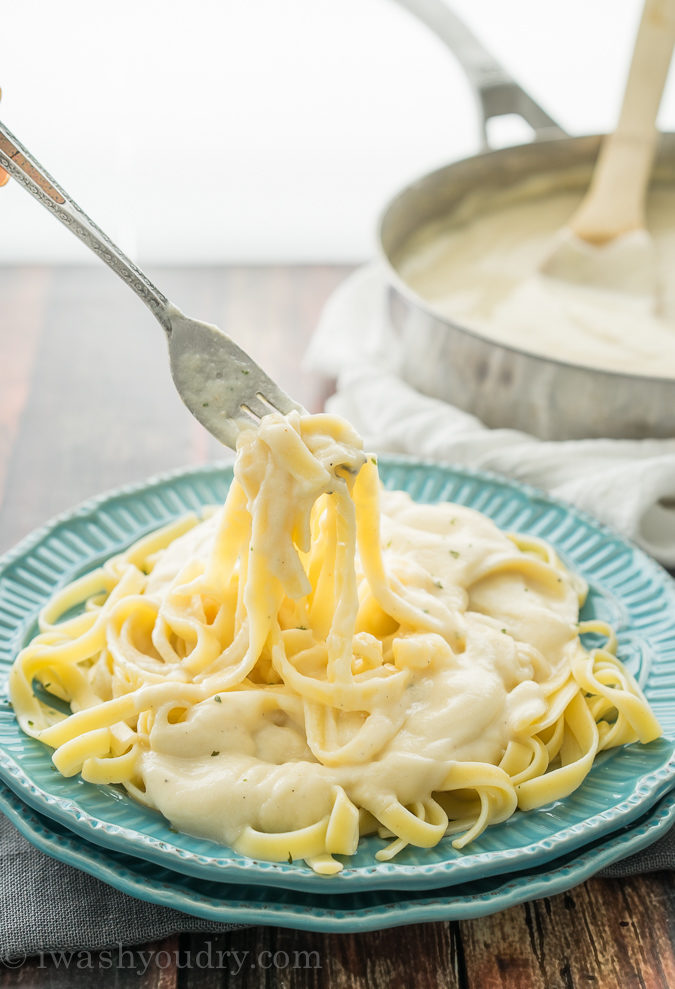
(630, 484)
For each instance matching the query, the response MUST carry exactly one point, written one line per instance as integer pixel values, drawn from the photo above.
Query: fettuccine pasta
(320, 658)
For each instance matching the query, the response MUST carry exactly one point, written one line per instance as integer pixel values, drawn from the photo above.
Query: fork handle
(28, 172)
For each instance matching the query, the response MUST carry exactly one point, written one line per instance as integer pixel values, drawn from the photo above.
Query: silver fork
(220, 384)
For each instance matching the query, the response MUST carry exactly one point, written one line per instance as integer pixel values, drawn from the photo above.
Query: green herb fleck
(301, 628)
(245, 370)
(455, 553)
(205, 405)
(215, 752)
(504, 631)
(439, 584)
(373, 460)
(290, 859)
(30, 723)
(218, 699)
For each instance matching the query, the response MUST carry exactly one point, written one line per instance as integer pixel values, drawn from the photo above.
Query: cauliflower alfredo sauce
(320, 659)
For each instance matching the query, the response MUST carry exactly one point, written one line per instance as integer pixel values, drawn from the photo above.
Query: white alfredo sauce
(483, 269)
(243, 761)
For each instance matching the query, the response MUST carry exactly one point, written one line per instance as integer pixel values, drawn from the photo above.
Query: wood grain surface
(87, 403)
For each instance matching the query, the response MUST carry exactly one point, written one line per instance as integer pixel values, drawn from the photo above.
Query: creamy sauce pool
(484, 273)
(245, 760)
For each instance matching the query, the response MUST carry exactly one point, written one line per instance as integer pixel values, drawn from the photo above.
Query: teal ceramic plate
(360, 910)
(627, 588)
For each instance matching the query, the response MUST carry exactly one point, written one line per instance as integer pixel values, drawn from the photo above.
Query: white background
(207, 131)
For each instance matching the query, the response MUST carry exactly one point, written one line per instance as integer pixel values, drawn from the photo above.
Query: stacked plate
(627, 801)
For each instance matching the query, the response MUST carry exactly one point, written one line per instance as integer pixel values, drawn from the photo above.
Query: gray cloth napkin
(48, 906)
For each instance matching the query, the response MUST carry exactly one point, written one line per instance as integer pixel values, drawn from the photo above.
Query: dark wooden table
(86, 403)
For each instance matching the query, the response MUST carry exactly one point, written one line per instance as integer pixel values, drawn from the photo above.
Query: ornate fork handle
(18, 161)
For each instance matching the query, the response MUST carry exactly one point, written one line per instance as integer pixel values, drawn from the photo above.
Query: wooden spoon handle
(614, 203)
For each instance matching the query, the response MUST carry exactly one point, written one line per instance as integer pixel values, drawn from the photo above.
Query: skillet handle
(497, 92)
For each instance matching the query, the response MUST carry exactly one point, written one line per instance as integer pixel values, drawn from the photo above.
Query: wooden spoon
(606, 243)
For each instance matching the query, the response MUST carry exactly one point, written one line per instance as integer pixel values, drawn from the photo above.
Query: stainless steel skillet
(507, 386)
